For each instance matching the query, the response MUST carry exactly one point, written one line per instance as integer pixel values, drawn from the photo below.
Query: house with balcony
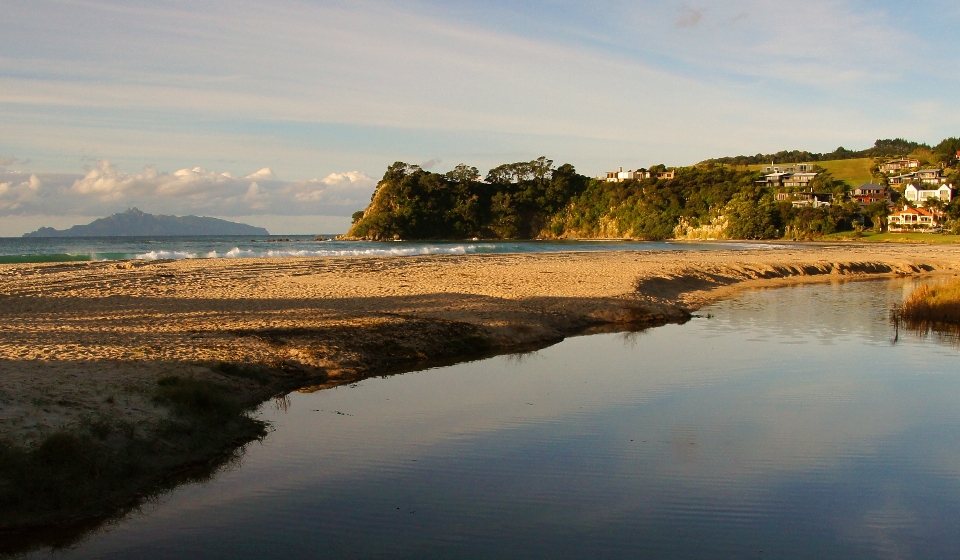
(868, 193)
(903, 179)
(931, 176)
(913, 219)
(801, 199)
(792, 176)
(897, 165)
(914, 194)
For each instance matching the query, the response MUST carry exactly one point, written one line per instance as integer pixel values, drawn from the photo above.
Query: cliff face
(133, 222)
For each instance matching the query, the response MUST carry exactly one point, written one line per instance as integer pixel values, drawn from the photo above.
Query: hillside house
(913, 219)
(903, 179)
(666, 175)
(799, 179)
(621, 175)
(805, 198)
(896, 165)
(795, 176)
(796, 168)
(868, 193)
(913, 194)
(931, 176)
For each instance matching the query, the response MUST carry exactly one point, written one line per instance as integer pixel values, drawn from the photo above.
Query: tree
(947, 149)
(541, 168)
(752, 216)
(463, 174)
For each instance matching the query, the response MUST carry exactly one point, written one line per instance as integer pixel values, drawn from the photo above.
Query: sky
(286, 113)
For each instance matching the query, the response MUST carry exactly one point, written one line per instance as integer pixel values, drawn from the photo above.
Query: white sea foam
(238, 253)
(155, 255)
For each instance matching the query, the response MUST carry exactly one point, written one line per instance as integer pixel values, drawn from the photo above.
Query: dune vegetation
(933, 304)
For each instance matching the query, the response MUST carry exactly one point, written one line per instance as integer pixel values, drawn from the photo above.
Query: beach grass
(933, 304)
(873, 237)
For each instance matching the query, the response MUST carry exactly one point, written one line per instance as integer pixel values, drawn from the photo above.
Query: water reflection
(784, 426)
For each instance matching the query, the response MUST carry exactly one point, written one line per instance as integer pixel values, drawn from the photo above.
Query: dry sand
(91, 339)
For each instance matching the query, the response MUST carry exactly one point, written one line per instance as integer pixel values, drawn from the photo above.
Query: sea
(67, 249)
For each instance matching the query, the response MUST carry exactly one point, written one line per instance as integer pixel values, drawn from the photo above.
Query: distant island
(133, 222)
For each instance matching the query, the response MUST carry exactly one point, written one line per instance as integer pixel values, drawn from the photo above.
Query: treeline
(529, 200)
(891, 147)
(513, 201)
(705, 202)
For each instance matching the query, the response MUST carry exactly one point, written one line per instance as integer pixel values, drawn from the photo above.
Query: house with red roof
(914, 219)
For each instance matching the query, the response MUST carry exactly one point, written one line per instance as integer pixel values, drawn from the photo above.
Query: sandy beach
(83, 340)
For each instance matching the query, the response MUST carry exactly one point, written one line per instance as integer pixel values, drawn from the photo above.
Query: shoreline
(93, 341)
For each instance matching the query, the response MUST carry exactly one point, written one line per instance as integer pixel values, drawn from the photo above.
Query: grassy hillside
(938, 238)
(854, 172)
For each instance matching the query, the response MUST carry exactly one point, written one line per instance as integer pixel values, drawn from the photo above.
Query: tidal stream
(791, 423)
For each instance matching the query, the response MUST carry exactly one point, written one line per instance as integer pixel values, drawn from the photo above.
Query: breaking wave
(238, 253)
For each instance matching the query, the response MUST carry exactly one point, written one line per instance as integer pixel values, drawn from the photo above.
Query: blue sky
(327, 94)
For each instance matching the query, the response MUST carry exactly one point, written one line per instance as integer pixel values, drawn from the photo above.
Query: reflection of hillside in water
(829, 313)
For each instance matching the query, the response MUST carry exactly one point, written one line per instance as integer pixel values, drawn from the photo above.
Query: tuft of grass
(243, 371)
(196, 397)
(933, 304)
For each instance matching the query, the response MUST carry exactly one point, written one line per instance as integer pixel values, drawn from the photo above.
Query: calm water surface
(790, 424)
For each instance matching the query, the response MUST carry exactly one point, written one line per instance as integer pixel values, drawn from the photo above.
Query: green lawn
(895, 237)
(854, 171)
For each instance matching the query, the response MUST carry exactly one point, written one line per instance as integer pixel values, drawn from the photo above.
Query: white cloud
(484, 82)
(14, 195)
(264, 174)
(107, 183)
(255, 198)
(106, 188)
(350, 187)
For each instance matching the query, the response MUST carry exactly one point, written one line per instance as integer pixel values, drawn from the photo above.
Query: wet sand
(91, 339)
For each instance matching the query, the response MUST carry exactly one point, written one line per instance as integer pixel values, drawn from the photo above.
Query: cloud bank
(105, 189)
(303, 85)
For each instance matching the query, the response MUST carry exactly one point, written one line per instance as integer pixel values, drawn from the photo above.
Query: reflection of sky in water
(787, 423)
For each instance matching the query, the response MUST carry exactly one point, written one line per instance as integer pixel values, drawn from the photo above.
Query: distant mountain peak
(135, 222)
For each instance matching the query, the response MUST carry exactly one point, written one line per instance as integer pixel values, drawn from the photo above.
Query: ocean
(67, 249)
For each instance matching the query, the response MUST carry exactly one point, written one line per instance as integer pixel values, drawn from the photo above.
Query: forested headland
(715, 199)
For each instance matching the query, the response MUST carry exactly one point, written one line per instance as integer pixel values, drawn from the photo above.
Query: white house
(913, 194)
(621, 175)
(913, 219)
